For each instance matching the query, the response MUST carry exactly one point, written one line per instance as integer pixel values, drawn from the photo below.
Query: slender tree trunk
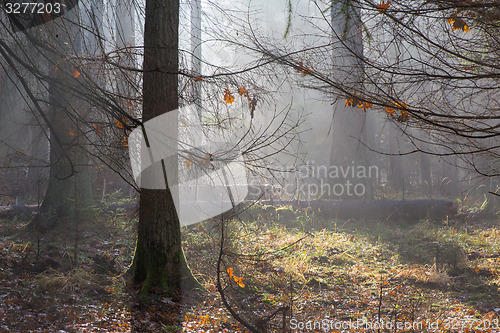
(125, 43)
(196, 50)
(425, 174)
(92, 21)
(397, 175)
(449, 175)
(159, 261)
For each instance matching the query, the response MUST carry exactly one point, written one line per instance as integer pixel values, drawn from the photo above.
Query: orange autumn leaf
(205, 320)
(239, 281)
(389, 111)
(365, 105)
(383, 6)
(188, 163)
(402, 108)
(458, 23)
(198, 78)
(404, 116)
(228, 97)
(306, 71)
(401, 105)
(356, 101)
(243, 92)
(121, 123)
(97, 130)
(125, 141)
(303, 70)
(76, 73)
(230, 272)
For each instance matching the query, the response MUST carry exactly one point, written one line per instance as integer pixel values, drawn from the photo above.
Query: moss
(151, 270)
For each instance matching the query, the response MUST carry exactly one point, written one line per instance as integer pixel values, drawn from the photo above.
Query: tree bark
(69, 192)
(159, 262)
(397, 174)
(348, 128)
(125, 43)
(196, 50)
(425, 173)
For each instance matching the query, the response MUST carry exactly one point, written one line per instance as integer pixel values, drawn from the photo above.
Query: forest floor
(282, 269)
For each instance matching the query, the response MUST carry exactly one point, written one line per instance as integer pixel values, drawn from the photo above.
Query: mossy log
(410, 210)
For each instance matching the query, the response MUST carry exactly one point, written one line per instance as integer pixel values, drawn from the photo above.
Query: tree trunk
(397, 174)
(38, 151)
(196, 50)
(159, 262)
(125, 43)
(69, 192)
(425, 174)
(449, 176)
(348, 128)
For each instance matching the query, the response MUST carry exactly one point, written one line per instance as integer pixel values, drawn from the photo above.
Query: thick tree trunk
(159, 261)
(38, 151)
(69, 192)
(158, 257)
(348, 128)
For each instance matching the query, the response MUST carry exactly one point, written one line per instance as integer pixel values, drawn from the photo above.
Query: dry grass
(425, 274)
(348, 269)
(76, 280)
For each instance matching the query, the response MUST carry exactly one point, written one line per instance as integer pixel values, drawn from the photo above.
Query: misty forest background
(369, 132)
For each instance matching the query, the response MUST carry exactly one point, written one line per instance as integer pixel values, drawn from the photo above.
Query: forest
(252, 166)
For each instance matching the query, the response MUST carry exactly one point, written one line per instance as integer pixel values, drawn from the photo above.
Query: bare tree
(430, 66)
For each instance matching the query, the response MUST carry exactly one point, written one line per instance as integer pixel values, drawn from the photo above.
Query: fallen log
(7, 212)
(411, 210)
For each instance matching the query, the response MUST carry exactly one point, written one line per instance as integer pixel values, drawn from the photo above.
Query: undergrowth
(275, 258)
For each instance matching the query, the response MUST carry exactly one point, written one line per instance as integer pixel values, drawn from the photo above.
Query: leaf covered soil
(275, 258)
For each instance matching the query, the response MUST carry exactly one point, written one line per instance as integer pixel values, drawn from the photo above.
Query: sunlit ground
(441, 274)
